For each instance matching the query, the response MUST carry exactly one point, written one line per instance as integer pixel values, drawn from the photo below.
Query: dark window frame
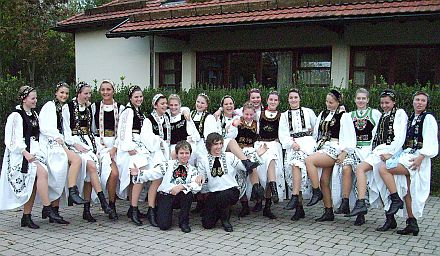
(177, 71)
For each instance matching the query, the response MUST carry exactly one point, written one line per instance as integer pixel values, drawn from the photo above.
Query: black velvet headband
(390, 93)
(132, 89)
(337, 94)
(26, 92)
(80, 86)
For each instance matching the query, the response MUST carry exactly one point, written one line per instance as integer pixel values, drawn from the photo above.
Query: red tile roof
(153, 15)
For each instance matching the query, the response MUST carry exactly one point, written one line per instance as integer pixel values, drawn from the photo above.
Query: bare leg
(326, 177)
(152, 192)
(42, 185)
(271, 176)
(235, 149)
(408, 199)
(113, 182)
(387, 178)
(347, 181)
(87, 191)
(313, 162)
(94, 179)
(296, 180)
(27, 208)
(135, 193)
(361, 184)
(56, 203)
(253, 177)
(74, 168)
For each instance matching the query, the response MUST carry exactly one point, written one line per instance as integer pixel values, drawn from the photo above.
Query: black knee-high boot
(267, 212)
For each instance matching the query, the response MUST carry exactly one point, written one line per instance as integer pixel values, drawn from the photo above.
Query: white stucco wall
(98, 57)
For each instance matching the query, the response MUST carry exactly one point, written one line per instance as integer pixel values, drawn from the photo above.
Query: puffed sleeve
(185, 109)
(316, 127)
(14, 139)
(210, 126)
(234, 162)
(192, 186)
(192, 131)
(347, 134)
(399, 126)
(312, 117)
(121, 109)
(68, 138)
(283, 131)
(430, 142)
(150, 140)
(232, 131)
(48, 121)
(376, 117)
(94, 128)
(151, 174)
(125, 134)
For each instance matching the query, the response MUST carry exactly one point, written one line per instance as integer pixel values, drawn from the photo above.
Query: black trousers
(218, 206)
(165, 205)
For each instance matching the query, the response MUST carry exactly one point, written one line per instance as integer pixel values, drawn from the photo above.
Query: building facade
(229, 43)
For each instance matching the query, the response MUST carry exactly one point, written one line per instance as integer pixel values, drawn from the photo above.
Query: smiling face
(386, 103)
(255, 99)
(294, 100)
(420, 102)
(331, 103)
(361, 100)
(174, 106)
(84, 95)
(161, 106)
(30, 101)
(248, 114)
(201, 104)
(272, 102)
(136, 99)
(228, 106)
(216, 148)
(62, 94)
(107, 92)
(183, 155)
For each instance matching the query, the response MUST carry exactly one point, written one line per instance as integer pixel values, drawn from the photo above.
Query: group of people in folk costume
(106, 150)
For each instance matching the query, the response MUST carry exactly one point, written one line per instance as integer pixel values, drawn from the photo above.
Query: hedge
(312, 97)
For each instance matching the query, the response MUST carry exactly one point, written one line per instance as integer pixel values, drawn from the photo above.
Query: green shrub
(312, 97)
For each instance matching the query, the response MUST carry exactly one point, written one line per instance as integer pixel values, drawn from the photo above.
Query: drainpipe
(152, 61)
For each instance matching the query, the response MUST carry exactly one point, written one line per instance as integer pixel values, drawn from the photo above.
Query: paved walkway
(253, 235)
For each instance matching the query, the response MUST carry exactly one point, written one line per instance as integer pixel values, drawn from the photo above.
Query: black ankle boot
(411, 227)
(327, 216)
(316, 196)
(360, 208)
(48, 211)
(74, 197)
(104, 205)
(344, 208)
(113, 215)
(62, 221)
(26, 221)
(267, 211)
(151, 216)
(299, 213)
(250, 166)
(292, 203)
(360, 220)
(274, 191)
(224, 218)
(134, 215)
(390, 223)
(258, 206)
(396, 204)
(244, 209)
(86, 213)
(257, 192)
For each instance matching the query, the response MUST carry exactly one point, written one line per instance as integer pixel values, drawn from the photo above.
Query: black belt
(300, 134)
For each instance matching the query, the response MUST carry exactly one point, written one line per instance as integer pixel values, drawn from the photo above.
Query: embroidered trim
(160, 126)
(101, 120)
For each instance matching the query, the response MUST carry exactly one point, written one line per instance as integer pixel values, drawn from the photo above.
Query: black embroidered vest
(269, 127)
(178, 130)
(247, 135)
(155, 126)
(364, 126)
(414, 133)
(109, 117)
(31, 128)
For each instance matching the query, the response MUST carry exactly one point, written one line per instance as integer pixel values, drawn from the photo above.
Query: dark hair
(183, 145)
(336, 94)
(253, 90)
(390, 93)
(211, 139)
(295, 90)
(107, 81)
(226, 97)
(133, 89)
